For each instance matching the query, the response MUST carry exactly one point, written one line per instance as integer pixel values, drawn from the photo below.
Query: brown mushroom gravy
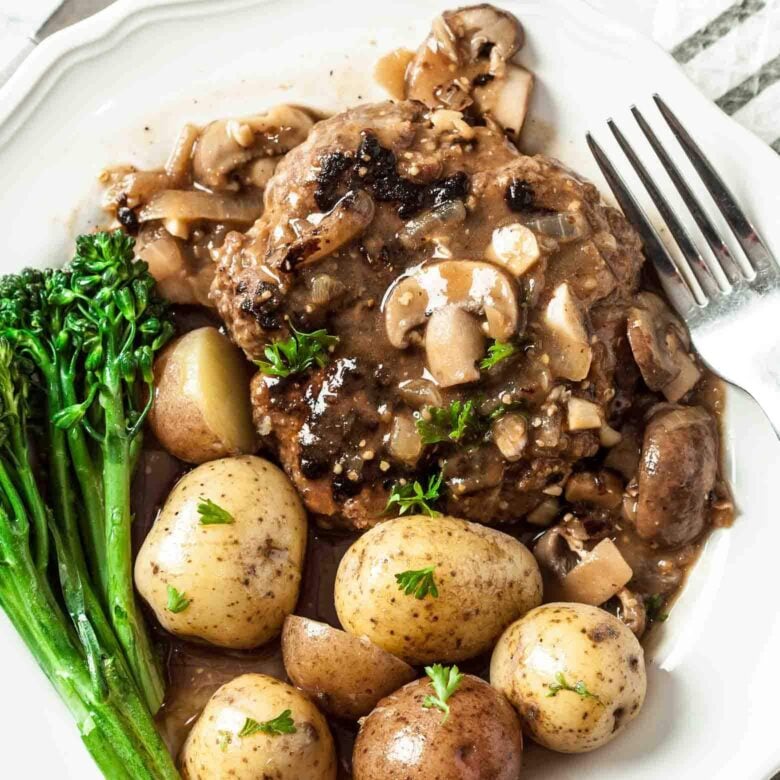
(459, 277)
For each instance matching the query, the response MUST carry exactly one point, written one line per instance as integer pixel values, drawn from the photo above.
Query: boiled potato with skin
(480, 739)
(240, 579)
(346, 675)
(214, 748)
(485, 579)
(201, 408)
(562, 646)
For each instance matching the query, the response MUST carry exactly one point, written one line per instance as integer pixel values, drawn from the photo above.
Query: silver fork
(731, 306)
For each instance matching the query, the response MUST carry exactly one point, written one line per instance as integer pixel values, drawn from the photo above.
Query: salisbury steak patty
(420, 240)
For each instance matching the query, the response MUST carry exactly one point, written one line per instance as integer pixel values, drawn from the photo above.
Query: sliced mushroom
(583, 415)
(464, 61)
(677, 472)
(454, 342)
(631, 610)
(506, 98)
(449, 296)
(558, 551)
(600, 574)
(510, 434)
(600, 488)
(228, 144)
(660, 344)
(514, 247)
(348, 218)
(568, 344)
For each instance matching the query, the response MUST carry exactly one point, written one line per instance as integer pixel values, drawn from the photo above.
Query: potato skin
(242, 579)
(201, 409)
(402, 740)
(485, 578)
(346, 675)
(584, 643)
(213, 748)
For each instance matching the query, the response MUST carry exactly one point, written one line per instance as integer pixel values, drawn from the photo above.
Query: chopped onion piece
(188, 205)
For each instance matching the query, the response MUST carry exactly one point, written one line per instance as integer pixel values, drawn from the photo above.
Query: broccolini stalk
(81, 656)
(92, 330)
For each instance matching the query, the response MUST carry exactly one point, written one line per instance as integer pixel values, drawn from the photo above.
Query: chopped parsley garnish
(445, 681)
(225, 738)
(281, 724)
(412, 497)
(451, 423)
(497, 351)
(579, 688)
(297, 354)
(653, 606)
(177, 602)
(213, 514)
(419, 582)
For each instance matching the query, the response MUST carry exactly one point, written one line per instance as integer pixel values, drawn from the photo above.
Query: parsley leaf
(445, 681)
(419, 582)
(452, 423)
(412, 497)
(297, 354)
(213, 514)
(225, 738)
(579, 688)
(497, 351)
(653, 606)
(281, 724)
(177, 602)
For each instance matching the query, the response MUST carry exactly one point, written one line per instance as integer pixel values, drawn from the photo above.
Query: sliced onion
(440, 219)
(564, 226)
(188, 205)
(178, 163)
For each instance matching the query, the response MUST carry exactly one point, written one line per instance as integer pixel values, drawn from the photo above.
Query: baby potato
(230, 583)
(483, 579)
(201, 408)
(346, 675)
(575, 673)
(241, 735)
(480, 739)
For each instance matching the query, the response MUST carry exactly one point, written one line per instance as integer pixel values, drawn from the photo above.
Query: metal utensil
(730, 302)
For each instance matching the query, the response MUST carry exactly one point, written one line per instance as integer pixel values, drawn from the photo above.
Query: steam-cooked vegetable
(201, 401)
(346, 675)
(484, 579)
(91, 332)
(406, 736)
(575, 673)
(239, 579)
(255, 727)
(72, 344)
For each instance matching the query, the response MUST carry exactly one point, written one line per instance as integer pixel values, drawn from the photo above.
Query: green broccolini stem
(92, 525)
(125, 615)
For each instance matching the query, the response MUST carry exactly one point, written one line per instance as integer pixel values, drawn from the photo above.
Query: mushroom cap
(478, 25)
(475, 287)
(660, 344)
(220, 149)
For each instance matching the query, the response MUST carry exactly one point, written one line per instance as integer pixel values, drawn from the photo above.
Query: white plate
(117, 87)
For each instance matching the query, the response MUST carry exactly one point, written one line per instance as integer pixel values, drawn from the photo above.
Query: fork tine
(748, 237)
(688, 249)
(718, 246)
(675, 285)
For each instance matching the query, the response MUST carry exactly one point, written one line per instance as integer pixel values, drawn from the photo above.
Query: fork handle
(766, 389)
